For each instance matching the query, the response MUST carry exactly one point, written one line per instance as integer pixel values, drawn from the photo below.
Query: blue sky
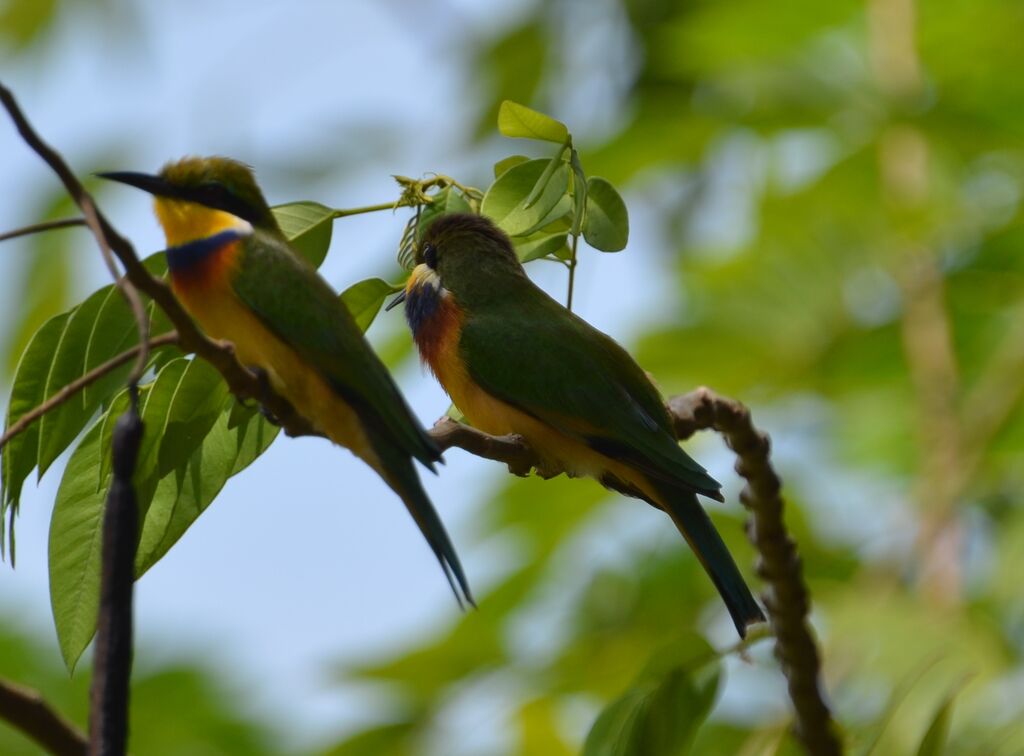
(306, 558)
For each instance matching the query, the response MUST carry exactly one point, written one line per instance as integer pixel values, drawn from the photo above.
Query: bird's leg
(263, 379)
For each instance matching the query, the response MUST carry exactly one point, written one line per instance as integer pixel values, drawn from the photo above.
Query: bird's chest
(202, 283)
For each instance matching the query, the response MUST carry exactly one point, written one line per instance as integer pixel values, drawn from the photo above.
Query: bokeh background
(825, 206)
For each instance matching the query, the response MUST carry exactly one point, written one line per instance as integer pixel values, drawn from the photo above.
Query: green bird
(235, 273)
(514, 360)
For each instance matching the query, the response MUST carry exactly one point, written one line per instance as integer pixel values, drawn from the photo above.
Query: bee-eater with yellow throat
(514, 360)
(233, 270)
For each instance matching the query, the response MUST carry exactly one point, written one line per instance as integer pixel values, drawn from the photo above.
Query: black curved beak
(144, 181)
(396, 301)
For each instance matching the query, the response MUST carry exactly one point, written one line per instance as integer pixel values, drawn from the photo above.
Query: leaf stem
(346, 212)
(572, 271)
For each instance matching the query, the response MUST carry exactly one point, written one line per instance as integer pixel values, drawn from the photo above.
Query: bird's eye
(430, 255)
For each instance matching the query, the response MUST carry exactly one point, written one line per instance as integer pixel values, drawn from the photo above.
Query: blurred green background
(826, 208)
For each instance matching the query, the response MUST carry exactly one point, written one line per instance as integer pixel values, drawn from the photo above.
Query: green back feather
(297, 305)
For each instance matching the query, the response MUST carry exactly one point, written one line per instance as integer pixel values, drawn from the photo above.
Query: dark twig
(68, 391)
(112, 666)
(242, 382)
(36, 228)
(25, 710)
(787, 598)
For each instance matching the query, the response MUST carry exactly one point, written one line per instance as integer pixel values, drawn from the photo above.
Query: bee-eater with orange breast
(233, 270)
(514, 360)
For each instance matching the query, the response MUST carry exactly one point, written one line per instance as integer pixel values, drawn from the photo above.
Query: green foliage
(364, 299)
(308, 225)
(209, 716)
(515, 120)
(661, 713)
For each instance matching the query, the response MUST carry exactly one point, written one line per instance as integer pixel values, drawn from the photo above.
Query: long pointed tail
(695, 525)
(401, 476)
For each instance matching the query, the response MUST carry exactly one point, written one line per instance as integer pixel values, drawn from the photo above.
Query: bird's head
(197, 197)
(464, 256)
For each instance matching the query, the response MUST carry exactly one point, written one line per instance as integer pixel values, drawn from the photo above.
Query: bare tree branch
(68, 391)
(25, 710)
(36, 228)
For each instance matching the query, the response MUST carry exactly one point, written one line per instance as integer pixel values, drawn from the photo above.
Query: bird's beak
(397, 300)
(144, 181)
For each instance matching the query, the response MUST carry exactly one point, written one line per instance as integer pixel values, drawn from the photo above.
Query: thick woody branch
(243, 382)
(25, 710)
(787, 598)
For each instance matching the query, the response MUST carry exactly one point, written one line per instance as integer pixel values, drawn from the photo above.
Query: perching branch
(68, 391)
(787, 598)
(36, 228)
(243, 382)
(512, 450)
(25, 710)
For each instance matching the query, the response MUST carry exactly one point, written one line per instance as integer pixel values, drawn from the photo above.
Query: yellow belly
(223, 316)
(557, 450)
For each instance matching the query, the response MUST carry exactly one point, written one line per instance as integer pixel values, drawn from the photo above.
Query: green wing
(531, 352)
(297, 305)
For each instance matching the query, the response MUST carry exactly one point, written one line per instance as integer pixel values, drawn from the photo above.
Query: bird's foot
(263, 379)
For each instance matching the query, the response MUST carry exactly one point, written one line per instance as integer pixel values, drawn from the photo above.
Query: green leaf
(195, 408)
(20, 454)
(505, 201)
(364, 299)
(510, 162)
(934, 741)
(23, 22)
(606, 224)
(515, 120)
(186, 492)
(308, 226)
(75, 539)
(98, 329)
(179, 498)
(661, 713)
(179, 411)
(539, 244)
(393, 739)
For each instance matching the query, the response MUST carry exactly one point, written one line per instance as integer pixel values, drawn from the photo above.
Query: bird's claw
(263, 379)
